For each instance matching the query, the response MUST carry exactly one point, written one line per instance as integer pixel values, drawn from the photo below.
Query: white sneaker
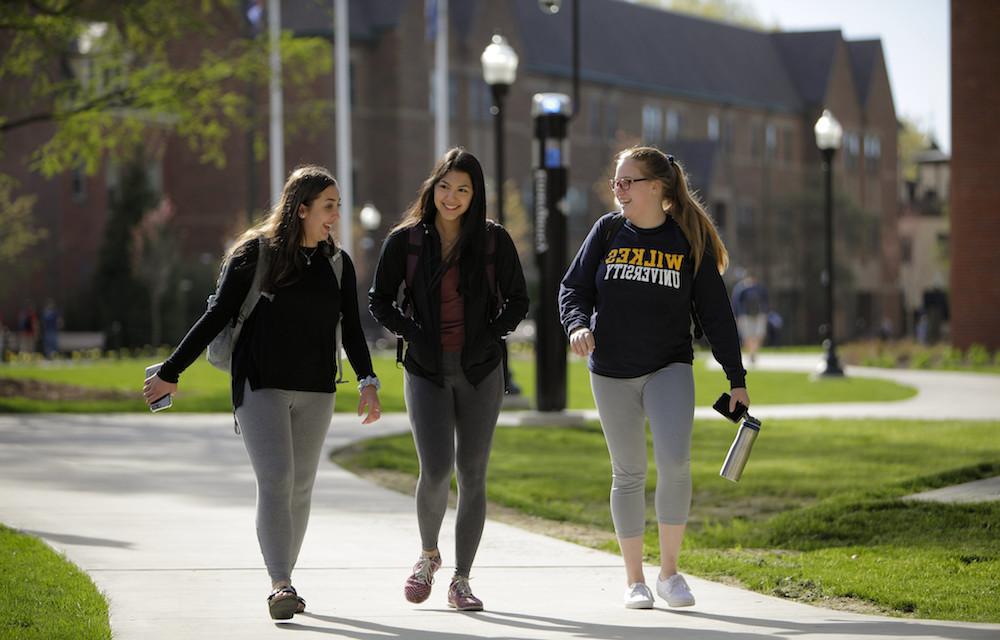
(675, 591)
(638, 596)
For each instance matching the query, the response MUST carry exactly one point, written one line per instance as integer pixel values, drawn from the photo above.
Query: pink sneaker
(418, 585)
(460, 595)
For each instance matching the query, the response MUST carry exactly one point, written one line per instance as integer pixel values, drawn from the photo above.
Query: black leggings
(453, 428)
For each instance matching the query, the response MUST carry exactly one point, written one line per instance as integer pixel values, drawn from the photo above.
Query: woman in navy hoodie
(627, 302)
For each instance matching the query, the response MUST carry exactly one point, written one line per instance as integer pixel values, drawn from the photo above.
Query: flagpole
(345, 168)
(441, 118)
(277, 137)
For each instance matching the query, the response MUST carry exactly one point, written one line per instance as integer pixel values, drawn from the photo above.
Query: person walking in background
(284, 363)
(751, 307)
(27, 328)
(464, 292)
(50, 324)
(626, 302)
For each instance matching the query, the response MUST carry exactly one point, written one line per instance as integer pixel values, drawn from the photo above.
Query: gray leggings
(453, 428)
(283, 432)
(667, 398)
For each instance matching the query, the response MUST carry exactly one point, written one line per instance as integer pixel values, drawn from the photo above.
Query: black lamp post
(553, 7)
(829, 135)
(499, 71)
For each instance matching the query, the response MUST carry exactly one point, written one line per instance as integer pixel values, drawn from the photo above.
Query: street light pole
(499, 91)
(499, 71)
(829, 135)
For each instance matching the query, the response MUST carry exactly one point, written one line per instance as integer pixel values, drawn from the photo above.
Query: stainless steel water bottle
(739, 451)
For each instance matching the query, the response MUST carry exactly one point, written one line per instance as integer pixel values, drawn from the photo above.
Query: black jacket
(485, 324)
(288, 342)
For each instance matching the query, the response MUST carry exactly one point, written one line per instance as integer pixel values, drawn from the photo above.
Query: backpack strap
(414, 246)
(337, 262)
(255, 292)
(491, 260)
(611, 230)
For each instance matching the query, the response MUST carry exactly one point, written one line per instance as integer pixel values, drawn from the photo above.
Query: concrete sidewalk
(158, 509)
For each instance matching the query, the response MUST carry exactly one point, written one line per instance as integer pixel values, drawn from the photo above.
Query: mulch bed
(39, 390)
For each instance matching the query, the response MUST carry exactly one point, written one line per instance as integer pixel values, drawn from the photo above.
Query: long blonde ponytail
(685, 208)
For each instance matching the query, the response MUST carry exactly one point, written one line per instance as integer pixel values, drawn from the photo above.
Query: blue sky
(915, 36)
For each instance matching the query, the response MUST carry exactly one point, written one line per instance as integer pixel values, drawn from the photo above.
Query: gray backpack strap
(337, 262)
(254, 294)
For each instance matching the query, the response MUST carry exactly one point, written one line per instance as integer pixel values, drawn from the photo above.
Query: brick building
(975, 162)
(736, 106)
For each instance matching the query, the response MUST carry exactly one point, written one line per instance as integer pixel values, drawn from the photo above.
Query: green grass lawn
(204, 388)
(817, 516)
(43, 596)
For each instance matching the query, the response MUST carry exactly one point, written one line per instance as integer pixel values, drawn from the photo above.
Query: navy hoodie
(635, 293)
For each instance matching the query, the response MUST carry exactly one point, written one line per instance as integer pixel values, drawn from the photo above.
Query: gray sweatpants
(283, 432)
(666, 397)
(453, 429)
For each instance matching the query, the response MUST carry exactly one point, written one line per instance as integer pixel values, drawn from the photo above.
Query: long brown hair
(685, 207)
(470, 249)
(283, 228)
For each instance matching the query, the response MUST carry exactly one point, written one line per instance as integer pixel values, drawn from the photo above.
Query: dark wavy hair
(283, 228)
(470, 249)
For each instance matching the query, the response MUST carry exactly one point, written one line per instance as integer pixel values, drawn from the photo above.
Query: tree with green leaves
(106, 74)
(94, 80)
(101, 78)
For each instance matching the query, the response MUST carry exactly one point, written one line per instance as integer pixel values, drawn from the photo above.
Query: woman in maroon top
(465, 291)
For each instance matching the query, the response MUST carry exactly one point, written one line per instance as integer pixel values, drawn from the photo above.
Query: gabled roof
(636, 46)
(863, 54)
(808, 56)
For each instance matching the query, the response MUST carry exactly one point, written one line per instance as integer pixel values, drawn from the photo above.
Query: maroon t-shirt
(452, 312)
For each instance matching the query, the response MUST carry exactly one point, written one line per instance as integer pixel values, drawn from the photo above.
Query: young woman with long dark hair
(464, 292)
(284, 363)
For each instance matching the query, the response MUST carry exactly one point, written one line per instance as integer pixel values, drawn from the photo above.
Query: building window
(770, 141)
(727, 135)
(873, 152)
(78, 184)
(673, 124)
(594, 113)
(756, 142)
(480, 99)
(906, 250)
(852, 149)
(719, 213)
(611, 119)
(452, 93)
(713, 127)
(744, 218)
(652, 124)
(786, 145)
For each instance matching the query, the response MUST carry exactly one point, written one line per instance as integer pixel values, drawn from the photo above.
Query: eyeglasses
(623, 183)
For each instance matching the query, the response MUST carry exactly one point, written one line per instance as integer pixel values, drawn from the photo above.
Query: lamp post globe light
(829, 135)
(370, 218)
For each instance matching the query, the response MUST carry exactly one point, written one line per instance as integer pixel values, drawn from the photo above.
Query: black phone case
(722, 406)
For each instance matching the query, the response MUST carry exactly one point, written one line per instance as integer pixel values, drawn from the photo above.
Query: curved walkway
(158, 509)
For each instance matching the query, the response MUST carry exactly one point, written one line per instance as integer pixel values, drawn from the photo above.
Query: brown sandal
(283, 603)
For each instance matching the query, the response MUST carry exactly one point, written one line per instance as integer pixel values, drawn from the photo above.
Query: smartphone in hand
(161, 403)
(722, 406)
